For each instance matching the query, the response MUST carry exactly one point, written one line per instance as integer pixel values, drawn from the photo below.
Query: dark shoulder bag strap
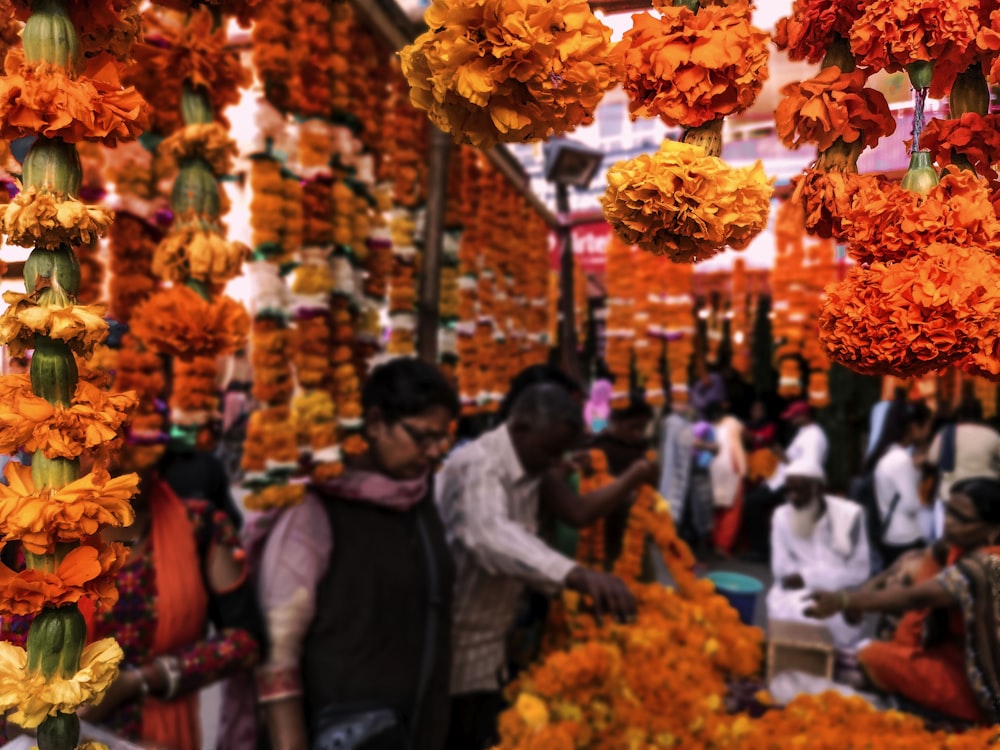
(431, 621)
(888, 517)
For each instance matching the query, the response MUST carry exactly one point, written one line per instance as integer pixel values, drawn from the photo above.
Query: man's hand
(608, 593)
(645, 471)
(793, 582)
(824, 604)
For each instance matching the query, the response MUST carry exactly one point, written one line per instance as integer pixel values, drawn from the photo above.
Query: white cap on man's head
(807, 468)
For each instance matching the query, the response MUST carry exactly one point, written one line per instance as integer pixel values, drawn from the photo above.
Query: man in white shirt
(818, 541)
(964, 451)
(489, 493)
(810, 444)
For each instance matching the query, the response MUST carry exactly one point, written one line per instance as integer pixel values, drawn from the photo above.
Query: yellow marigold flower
(492, 70)
(687, 205)
(36, 698)
(81, 326)
(532, 711)
(276, 496)
(208, 141)
(39, 218)
(198, 251)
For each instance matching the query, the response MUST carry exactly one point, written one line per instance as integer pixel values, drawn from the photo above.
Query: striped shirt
(490, 508)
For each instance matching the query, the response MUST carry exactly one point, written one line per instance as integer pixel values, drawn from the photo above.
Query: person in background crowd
(968, 448)
(760, 435)
(897, 480)
(818, 541)
(697, 518)
(537, 375)
(710, 388)
(624, 444)
(728, 473)
(185, 571)
(489, 493)
(356, 584)
(598, 410)
(197, 473)
(678, 444)
(810, 444)
(945, 654)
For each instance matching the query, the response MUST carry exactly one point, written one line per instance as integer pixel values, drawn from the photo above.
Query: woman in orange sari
(185, 570)
(953, 669)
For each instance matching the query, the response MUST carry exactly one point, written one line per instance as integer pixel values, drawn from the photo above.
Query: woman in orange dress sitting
(945, 653)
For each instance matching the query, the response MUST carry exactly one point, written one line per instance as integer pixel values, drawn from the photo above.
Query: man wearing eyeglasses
(489, 494)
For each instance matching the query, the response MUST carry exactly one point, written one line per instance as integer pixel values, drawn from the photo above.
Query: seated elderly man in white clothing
(818, 541)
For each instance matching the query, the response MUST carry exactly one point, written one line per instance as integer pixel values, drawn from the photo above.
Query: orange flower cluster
(687, 205)
(42, 518)
(311, 352)
(245, 11)
(974, 136)
(800, 274)
(590, 549)
(914, 316)
(345, 382)
(82, 327)
(180, 323)
(188, 51)
(833, 105)
(86, 572)
(891, 34)
(678, 321)
(402, 306)
(195, 387)
(91, 423)
(480, 75)
(276, 210)
(739, 325)
(272, 372)
(827, 196)
(317, 213)
(405, 164)
(141, 370)
(48, 101)
(271, 441)
(813, 26)
(887, 223)
(690, 68)
(621, 304)
(209, 142)
(197, 248)
(614, 684)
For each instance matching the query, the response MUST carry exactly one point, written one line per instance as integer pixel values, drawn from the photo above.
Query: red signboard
(590, 242)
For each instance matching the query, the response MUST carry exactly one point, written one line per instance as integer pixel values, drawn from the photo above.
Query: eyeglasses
(424, 439)
(959, 515)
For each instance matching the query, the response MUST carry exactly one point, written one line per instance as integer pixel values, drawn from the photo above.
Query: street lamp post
(568, 164)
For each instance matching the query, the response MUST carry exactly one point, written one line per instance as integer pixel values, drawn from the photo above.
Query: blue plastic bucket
(740, 590)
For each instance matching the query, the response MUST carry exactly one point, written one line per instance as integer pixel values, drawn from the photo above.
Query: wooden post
(430, 266)
(569, 359)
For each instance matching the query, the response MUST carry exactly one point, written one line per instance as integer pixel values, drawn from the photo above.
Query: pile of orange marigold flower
(660, 682)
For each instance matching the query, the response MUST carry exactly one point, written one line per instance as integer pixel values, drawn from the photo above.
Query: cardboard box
(799, 647)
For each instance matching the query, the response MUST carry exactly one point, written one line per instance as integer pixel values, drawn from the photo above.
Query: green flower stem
(54, 373)
(49, 36)
(53, 165)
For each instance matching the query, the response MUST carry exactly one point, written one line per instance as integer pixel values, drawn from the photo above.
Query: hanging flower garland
(679, 329)
(461, 71)
(54, 90)
(685, 204)
(619, 328)
(814, 26)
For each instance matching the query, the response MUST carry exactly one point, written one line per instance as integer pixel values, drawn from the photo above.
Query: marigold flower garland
(479, 74)
(55, 93)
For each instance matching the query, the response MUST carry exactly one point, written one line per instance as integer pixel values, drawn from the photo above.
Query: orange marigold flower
(103, 25)
(690, 68)
(827, 196)
(975, 136)
(814, 24)
(891, 34)
(489, 70)
(41, 518)
(830, 106)
(684, 204)
(94, 419)
(887, 223)
(988, 41)
(180, 323)
(87, 572)
(198, 249)
(914, 316)
(44, 100)
(208, 141)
